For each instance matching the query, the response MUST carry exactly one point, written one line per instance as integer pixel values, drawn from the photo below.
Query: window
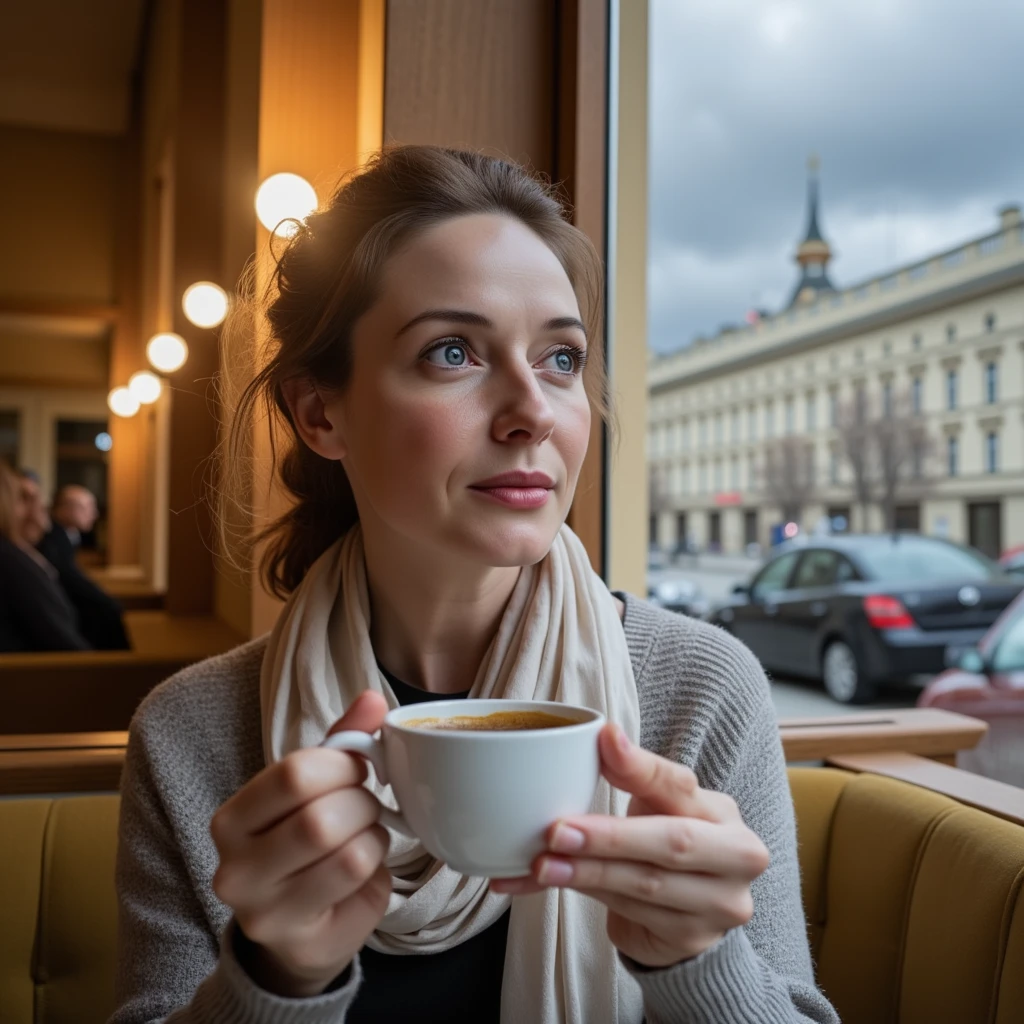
(752, 424)
(833, 468)
(915, 395)
(833, 409)
(812, 413)
(702, 431)
(774, 576)
(992, 452)
(861, 403)
(952, 451)
(734, 474)
(990, 322)
(769, 420)
(886, 348)
(816, 569)
(810, 367)
(950, 333)
(751, 473)
(991, 383)
(718, 476)
(917, 459)
(735, 425)
(916, 342)
(951, 389)
(1009, 653)
(719, 429)
(686, 435)
(685, 483)
(858, 356)
(790, 416)
(887, 399)
(702, 482)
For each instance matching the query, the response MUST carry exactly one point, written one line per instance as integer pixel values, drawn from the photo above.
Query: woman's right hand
(302, 862)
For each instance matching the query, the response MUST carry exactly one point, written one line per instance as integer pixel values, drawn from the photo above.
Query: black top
(461, 984)
(35, 614)
(99, 614)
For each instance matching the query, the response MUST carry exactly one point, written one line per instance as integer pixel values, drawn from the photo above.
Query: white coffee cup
(482, 801)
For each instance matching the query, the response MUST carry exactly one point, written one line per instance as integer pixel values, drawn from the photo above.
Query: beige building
(946, 334)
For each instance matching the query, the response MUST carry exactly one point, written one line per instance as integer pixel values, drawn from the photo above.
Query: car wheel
(843, 678)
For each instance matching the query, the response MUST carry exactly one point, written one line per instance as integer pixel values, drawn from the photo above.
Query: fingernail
(567, 839)
(621, 740)
(554, 872)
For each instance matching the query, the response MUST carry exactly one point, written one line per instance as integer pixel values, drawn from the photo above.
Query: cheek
(573, 435)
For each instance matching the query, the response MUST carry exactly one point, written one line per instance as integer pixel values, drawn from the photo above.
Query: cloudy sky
(916, 108)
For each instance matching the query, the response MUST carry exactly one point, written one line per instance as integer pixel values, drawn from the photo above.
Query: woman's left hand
(675, 873)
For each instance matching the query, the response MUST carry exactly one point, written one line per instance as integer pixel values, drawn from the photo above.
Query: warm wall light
(205, 303)
(145, 387)
(122, 402)
(284, 197)
(167, 352)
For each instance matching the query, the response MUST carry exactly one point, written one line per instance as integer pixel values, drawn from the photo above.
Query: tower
(813, 253)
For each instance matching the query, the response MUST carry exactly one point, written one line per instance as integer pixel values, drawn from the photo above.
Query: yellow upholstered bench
(914, 903)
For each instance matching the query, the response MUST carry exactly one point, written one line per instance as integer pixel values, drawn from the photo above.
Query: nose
(525, 415)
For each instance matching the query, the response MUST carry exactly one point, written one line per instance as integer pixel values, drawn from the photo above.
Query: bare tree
(903, 447)
(856, 439)
(788, 477)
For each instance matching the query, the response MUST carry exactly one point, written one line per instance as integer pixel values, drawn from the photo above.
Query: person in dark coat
(35, 613)
(74, 512)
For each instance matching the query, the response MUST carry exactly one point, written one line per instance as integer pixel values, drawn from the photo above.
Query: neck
(432, 618)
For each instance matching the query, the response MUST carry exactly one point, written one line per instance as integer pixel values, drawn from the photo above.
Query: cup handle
(372, 749)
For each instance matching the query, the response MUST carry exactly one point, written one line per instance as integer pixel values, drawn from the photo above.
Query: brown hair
(323, 281)
(9, 490)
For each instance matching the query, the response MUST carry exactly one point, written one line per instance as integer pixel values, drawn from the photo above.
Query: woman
(435, 358)
(35, 614)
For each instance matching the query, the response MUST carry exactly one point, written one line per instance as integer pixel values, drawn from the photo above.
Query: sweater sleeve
(762, 973)
(170, 965)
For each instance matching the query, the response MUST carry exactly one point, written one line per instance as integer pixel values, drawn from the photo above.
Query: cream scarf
(560, 639)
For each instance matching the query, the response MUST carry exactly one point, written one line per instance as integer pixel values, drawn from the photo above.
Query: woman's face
(465, 422)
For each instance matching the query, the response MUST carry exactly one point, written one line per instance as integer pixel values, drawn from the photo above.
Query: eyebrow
(463, 316)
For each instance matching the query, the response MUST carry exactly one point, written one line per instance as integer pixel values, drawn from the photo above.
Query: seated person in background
(35, 613)
(73, 513)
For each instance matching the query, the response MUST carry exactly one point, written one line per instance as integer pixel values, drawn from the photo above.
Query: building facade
(943, 337)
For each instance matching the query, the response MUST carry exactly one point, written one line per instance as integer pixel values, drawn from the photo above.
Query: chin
(504, 545)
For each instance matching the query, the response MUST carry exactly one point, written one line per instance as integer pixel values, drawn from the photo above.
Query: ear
(315, 424)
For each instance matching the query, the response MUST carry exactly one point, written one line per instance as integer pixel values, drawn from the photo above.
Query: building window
(702, 432)
(833, 467)
(790, 416)
(719, 429)
(769, 420)
(752, 424)
(686, 435)
(992, 452)
(915, 395)
(887, 399)
(812, 414)
(833, 409)
(858, 356)
(734, 474)
(991, 383)
(990, 322)
(952, 451)
(861, 403)
(702, 482)
(751, 473)
(951, 383)
(810, 367)
(918, 462)
(718, 476)
(886, 348)
(950, 333)
(735, 425)
(684, 485)
(916, 342)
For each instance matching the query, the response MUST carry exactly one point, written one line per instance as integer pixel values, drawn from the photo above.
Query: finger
(668, 841)
(718, 900)
(655, 937)
(298, 778)
(316, 830)
(663, 785)
(310, 893)
(525, 886)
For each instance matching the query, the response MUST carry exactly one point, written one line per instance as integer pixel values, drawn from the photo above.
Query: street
(716, 575)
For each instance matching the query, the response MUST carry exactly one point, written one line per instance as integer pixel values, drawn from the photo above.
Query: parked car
(679, 595)
(1012, 561)
(987, 682)
(862, 609)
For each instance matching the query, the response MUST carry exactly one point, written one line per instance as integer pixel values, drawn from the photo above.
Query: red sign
(729, 498)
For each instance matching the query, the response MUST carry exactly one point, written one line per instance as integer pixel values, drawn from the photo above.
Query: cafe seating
(914, 901)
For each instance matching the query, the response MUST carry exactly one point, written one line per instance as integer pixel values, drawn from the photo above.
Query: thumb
(365, 714)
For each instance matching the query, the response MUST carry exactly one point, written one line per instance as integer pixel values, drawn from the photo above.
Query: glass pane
(9, 426)
(817, 569)
(1009, 652)
(920, 558)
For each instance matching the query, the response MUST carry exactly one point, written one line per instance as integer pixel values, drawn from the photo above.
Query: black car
(860, 610)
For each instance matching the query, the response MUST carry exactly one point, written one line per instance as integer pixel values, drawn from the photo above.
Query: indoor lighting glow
(145, 387)
(104, 442)
(167, 352)
(122, 402)
(284, 197)
(205, 303)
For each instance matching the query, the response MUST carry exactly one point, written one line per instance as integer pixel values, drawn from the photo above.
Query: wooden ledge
(930, 732)
(988, 795)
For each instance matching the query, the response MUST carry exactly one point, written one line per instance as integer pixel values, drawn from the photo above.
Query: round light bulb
(284, 197)
(104, 441)
(167, 352)
(122, 402)
(145, 387)
(205, 303)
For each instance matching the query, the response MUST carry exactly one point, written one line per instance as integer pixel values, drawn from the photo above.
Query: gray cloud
(913, 105)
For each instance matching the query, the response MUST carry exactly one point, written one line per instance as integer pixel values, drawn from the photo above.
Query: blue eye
(565, 361)
(450, 356)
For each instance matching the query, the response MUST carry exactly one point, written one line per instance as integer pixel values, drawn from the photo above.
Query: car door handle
(819, 608)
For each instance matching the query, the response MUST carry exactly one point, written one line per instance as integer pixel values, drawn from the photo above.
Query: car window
(774, 577)
(1009, 653)
(917, 559)
(844, 570)
(816, 569)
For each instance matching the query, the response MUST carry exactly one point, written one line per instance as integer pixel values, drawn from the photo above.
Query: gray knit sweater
(196, 739)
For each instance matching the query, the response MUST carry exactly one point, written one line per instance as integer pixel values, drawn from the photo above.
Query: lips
(518, 490)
